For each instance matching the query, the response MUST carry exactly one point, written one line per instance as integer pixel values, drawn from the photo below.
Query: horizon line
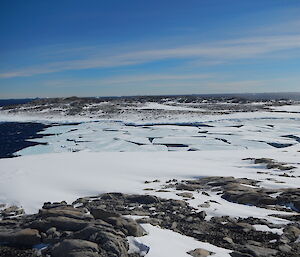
(154, 95)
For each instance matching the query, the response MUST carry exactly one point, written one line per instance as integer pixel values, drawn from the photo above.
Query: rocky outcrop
(177, 215)
(243, 191)
(70, 232)
(272, 164)
(100, 225)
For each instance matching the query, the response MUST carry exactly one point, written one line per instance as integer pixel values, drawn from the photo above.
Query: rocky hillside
(109, 225)
(144, 106)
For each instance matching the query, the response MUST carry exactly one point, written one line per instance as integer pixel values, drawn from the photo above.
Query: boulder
(199, 252)
(185, 195)
(24, 237)
(129, 226)
(75, 248)
(251, 198)
(113, 242)
(69, 212)
(292, 232)
(188, 187)
(60, 223)
(103, 214)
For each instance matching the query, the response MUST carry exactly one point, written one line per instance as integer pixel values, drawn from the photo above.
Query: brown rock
(199, 252)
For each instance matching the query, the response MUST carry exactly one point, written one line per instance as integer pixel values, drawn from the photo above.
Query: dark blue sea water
(4, 102)
(14, 135)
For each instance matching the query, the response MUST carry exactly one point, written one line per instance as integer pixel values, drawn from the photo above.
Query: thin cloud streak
(123, 80)
(242, 48)
(210, 80)
(177, 84)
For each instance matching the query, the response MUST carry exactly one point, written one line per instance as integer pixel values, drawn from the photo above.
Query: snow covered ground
(31, 180)
(164, 242)
(98, 156)
(287, 108)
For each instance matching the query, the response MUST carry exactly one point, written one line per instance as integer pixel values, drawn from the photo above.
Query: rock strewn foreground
(97, 226)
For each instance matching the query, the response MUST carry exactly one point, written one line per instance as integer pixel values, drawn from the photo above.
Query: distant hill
(247, 96)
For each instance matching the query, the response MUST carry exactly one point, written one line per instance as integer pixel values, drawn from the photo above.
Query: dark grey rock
(285, 248)
(103, 214)
(24, 237)
(131, 227)
(201, 215)
(143, 199)
(239, 254)
(65, 211)
(75, 248)
(258, 251)
(60, 223)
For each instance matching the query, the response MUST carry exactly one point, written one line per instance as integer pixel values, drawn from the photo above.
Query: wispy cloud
(170, 84)
(209, 80)
(218, 51)
(125, 80)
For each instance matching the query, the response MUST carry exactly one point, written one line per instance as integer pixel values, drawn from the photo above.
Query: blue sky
(136, 47)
